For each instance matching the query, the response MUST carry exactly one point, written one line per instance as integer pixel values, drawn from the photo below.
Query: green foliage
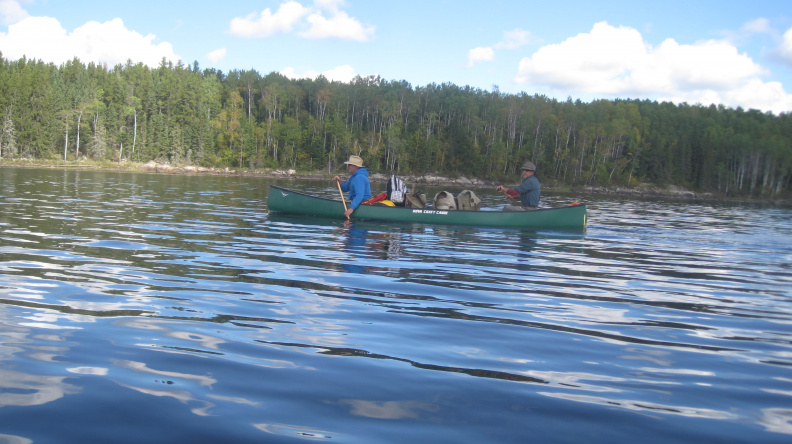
(242, 119)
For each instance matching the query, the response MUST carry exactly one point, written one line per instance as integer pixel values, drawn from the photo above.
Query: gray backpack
(397, 191)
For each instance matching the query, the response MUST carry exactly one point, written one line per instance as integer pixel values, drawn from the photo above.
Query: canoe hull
(282, 200)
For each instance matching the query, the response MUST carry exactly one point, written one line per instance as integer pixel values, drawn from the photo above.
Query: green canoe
(286, 201)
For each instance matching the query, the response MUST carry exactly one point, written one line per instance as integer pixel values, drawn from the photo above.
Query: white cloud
(511, 40)
(344, 74)
(11, 12)
(514, 39)
(267, 23)
(110, 42)
(292, 74)
(480, 54)
(784, 50)
(617, 62)
(749, 30)
(329, 5)
(340, 25)
(217, 55)
(595, 62)
(758, 26)
(754, 93)
(311, 21)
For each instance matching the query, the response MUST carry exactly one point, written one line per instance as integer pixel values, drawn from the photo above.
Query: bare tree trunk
(134, 136)
(755, 171)
(766, 181)
(77, 150)
(66, 141)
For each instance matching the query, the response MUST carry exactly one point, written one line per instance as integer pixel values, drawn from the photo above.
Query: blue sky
(736, 53)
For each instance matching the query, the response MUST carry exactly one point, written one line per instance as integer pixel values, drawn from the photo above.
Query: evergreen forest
(182, 115)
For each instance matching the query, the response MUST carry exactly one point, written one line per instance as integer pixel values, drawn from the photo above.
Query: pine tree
(98, 148)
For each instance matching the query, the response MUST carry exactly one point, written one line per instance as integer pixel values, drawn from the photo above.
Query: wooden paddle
(342, 195)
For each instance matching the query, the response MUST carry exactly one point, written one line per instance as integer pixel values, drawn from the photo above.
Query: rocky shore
(641, 190)
(428, 179)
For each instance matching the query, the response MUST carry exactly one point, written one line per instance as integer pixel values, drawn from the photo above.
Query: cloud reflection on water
(645, 406)
(24, 389)
(388, 409)
(13, 439)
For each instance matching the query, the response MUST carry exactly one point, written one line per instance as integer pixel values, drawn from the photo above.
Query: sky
(734, 53)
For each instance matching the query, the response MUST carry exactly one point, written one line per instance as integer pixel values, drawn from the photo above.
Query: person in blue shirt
(529, 190)
(358, 184)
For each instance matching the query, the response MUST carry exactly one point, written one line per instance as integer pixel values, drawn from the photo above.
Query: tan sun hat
(355, 160)
(528, 166)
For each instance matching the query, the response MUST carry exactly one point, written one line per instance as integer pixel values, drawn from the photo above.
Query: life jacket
(415, 200)
(445, 201)
(467, 200)
(397, 191)
(375, 199)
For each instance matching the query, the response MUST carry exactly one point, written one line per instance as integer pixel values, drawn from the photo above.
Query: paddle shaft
(342, 195)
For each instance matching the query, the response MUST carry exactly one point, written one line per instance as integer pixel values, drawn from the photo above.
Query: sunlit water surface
(159, 309)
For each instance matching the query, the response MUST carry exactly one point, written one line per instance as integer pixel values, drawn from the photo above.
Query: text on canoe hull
(419, 211)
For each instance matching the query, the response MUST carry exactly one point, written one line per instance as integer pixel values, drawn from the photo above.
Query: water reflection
(96, 371)
(24, 389)
(778, 420)
(355, 247)
(647, 407)
(206, 381)
(202, 409)
(12, 439)
(294, 431)
(207, 343)
(23, 343)
(389, 409)
(528, 243)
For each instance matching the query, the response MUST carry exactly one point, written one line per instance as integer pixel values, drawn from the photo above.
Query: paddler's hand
(337, 179)
(500, 189)
(348, 212)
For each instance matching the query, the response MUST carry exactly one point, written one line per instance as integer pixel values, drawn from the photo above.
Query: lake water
(161, 309)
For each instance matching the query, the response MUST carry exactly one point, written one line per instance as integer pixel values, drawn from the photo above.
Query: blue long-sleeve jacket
(358, 186)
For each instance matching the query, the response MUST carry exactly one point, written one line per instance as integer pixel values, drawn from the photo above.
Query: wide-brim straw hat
(354, 160)
(528, 166)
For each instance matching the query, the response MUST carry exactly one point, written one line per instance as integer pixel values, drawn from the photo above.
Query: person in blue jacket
(529, 190)
(358, 184)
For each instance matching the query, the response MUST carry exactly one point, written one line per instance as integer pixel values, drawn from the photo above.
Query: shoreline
(643, 190)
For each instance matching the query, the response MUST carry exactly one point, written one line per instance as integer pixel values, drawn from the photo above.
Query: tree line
(181, 114)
